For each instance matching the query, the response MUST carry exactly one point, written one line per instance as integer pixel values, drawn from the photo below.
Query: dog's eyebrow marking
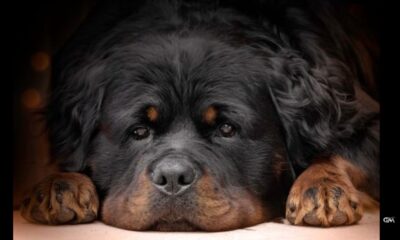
(152, 113)
(209, 115)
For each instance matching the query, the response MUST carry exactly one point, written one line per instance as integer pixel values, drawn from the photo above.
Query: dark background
(41, 28)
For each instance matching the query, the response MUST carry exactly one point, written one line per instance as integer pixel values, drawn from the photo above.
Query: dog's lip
(181, 225)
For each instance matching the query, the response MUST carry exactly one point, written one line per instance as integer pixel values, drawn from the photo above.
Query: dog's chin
(175, 226)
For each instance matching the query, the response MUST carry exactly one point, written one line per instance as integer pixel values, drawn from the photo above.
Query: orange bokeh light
(40, 61)
(31, 98)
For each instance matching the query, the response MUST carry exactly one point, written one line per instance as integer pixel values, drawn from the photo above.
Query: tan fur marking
(213, 209)
(217, 211)
(357, 178)
(325, 194)
(209, 115)
(130, 211)
(152, 114)
(77, 202)
(280, 165)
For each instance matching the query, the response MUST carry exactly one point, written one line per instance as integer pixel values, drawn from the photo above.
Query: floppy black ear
(314, 104)
(313, 82)
(77, 91)
(73, 113)
(78, 81)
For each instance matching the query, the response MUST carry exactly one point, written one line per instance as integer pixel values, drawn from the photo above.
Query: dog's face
(188, 138)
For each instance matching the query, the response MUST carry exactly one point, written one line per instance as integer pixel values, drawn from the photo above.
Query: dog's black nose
(173, 176)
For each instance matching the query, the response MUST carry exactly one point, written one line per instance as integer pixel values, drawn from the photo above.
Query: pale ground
(367, 229)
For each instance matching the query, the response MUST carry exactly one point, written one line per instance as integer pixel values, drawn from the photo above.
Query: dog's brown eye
(140, 133)
(227, 130)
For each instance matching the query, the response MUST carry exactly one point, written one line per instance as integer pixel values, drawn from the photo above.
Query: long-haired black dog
(211, 115)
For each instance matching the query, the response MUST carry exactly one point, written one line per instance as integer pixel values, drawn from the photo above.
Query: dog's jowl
(210, 116)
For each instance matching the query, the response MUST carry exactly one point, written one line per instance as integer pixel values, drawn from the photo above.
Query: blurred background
(39, 29)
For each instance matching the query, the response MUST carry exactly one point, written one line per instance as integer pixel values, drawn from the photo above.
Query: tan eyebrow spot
(209, 115)
(152, 114)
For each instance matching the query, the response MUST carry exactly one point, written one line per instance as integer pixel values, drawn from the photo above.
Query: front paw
(61, 198)
(324, 201)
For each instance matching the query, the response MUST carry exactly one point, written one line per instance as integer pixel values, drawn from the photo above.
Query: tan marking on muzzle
(130, 212)
(217, 211)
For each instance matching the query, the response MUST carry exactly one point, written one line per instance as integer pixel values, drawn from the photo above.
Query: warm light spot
(40, 61)
(31, 98)
(209, 115)
(152, 114)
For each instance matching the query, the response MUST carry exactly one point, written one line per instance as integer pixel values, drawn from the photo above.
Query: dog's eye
(140, 133)
(227, 130)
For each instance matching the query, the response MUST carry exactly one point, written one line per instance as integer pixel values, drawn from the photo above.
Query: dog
(210, 116)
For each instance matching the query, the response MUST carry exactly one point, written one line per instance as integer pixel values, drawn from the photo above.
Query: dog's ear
(314, 105)
(78, 85)
(73, 113)
(313, 82)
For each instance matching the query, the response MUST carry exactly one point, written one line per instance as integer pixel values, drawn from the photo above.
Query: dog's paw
(318, 200)
(61, 198)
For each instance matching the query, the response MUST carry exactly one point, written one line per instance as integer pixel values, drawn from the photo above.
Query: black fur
(284, 73)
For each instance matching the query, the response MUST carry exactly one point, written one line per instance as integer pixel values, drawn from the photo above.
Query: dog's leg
(62, 198)
(325, 195)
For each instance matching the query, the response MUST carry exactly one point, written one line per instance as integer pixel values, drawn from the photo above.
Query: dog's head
(184, 120)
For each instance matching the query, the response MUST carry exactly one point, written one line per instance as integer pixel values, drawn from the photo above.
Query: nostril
(159, 179)
(182, 181)
(185, 179)
(163, 181)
